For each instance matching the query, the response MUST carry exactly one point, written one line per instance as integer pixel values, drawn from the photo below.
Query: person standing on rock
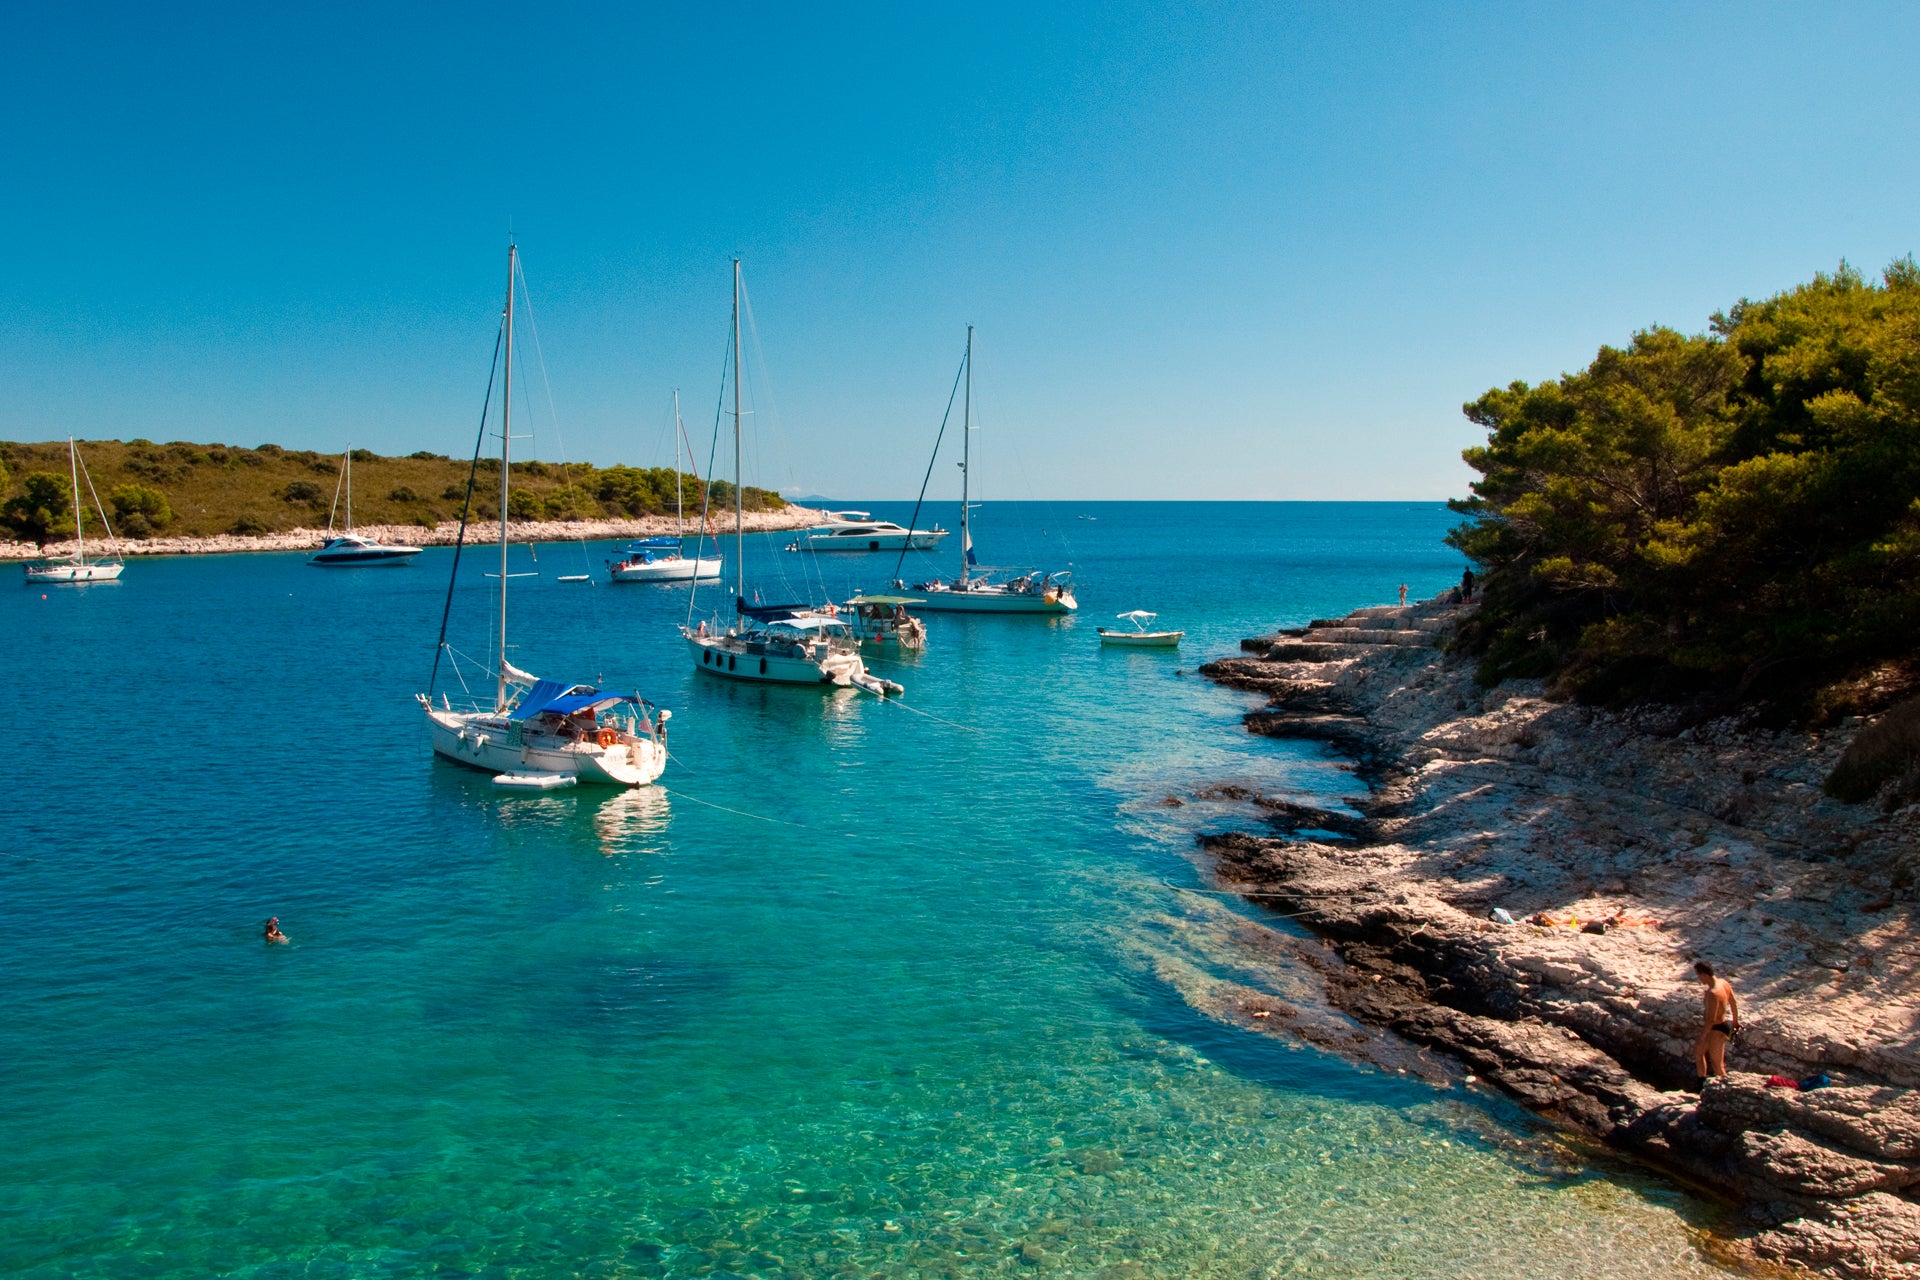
(1720, 1022)
(1403, 593)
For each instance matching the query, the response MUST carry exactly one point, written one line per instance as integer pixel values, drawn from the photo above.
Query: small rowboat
(1140, 637)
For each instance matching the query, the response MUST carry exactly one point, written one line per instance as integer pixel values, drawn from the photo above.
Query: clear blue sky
(1219, 250)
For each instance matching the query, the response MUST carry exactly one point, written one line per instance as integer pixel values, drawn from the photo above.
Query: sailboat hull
(494, 744)
(989, 600)
(715, 656)
(70, 573)
(664, 570)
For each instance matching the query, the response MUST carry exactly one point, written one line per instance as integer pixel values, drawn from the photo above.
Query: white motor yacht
(858, 531)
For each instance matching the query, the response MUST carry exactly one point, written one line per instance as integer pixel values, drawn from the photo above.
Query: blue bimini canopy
(554, 698)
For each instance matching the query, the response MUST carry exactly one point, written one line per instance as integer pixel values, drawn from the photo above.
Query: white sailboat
(535, 733)
(662, 559)
(75, 567)
(781, 645)
(1029, 592)
(349, 548)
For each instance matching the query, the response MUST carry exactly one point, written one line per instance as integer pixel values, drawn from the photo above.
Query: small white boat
(76, 567)
(349, 548)
(1140, 637)
(534, 781)
(858, 531)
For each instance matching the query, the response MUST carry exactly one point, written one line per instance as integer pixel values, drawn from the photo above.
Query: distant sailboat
(1030, 592)
(537, 734)
(663, 559)
(76, 567)
(783, 644)
(349, 548)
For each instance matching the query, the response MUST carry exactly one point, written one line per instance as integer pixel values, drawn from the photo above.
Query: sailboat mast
(739, 528)
(966, 467)
(73, 465)
(349, 486)
(506, 435)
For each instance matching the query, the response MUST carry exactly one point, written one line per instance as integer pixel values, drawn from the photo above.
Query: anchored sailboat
(664, 559)
(786, 644)
(76, 567)
(349, 548)
(1029, 592)
(539, 733)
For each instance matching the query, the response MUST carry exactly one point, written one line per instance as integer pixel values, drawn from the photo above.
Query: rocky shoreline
(1642, 843)
(443, 534)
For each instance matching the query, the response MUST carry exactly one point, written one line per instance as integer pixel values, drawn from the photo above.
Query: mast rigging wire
(467, 507)
(926, 479)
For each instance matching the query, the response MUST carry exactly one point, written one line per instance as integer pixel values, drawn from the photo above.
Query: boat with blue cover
(533, 727)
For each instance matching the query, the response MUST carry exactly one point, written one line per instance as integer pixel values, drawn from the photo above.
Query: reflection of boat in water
(774, 644)
(884, 620)
(663, 559)
(972, 592)
(632, 821)
(1140, 637)
(541, 728)
(857, 531)
(76, 567)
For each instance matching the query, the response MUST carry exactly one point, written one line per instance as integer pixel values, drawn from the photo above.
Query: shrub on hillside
(39, 512)
(139, 510)
(249, 527)
(403, 494)
(299, 491)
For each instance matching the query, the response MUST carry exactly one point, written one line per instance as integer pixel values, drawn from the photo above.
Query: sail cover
(564, 699)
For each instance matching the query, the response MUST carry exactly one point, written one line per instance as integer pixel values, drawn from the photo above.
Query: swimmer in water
(272, 932)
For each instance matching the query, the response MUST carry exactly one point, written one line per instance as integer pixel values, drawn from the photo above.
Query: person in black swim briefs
(1720, 1022)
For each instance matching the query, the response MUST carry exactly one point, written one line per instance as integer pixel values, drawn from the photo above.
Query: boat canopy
(808, 622)
(553, 698)
(769, 612)
(1136, 613)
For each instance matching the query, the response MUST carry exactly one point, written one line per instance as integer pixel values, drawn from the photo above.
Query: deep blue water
(865, 989)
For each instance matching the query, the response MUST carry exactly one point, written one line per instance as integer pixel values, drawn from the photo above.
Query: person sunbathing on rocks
(1720, 1022)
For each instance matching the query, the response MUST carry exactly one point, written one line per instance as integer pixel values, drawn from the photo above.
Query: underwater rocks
(1621, 845)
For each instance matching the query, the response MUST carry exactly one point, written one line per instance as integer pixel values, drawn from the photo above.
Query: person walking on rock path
(1720, 1023)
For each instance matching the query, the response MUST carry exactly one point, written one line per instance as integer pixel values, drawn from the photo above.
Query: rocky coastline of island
(1623, 844)
(443, 534)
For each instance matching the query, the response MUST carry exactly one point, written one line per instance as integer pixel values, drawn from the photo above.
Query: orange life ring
(606, 737)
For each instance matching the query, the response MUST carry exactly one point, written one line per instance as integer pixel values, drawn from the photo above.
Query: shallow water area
(866, 988)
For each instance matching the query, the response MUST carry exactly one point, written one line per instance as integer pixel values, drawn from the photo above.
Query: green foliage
(139, 511)
(1735, 513)
(249, 527)
(212, 488)
(38, 513)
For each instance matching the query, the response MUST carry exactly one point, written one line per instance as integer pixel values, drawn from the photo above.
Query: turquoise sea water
(868, 989)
